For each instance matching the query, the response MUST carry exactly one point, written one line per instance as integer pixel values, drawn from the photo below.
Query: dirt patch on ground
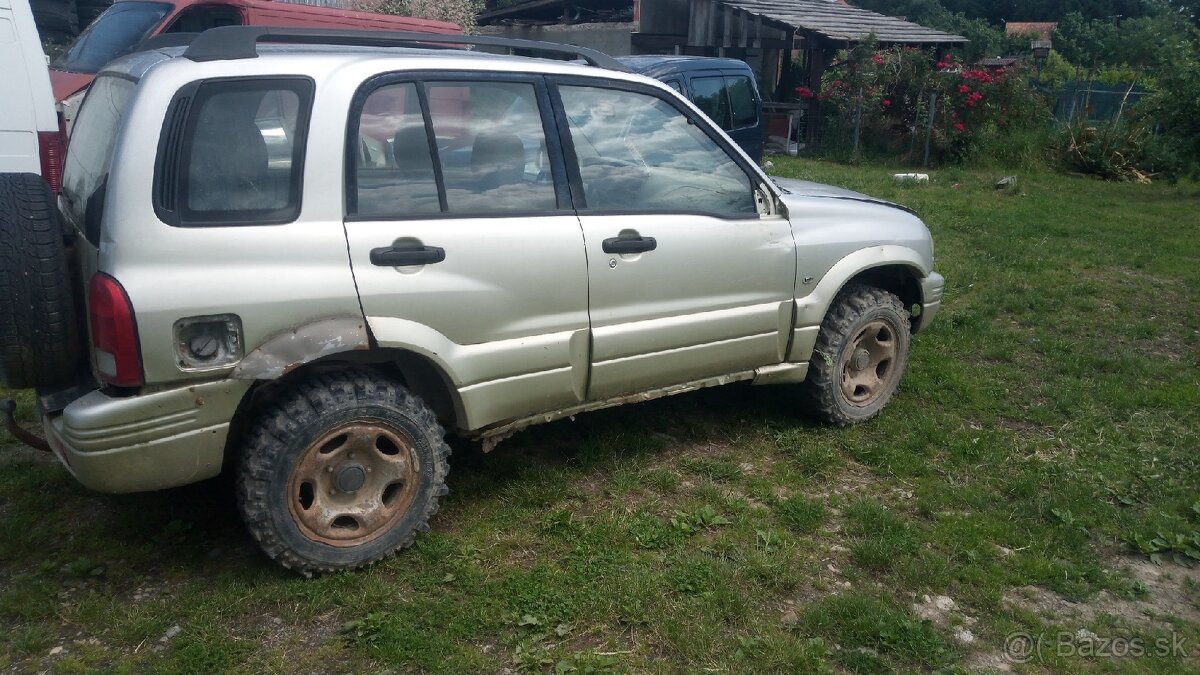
(1170, 593)
(16, 454)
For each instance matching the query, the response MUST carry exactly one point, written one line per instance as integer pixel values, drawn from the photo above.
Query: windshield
(115, 32)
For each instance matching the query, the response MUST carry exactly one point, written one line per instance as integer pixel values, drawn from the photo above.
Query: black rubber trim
(865, 200)
(241, 42)
(435, 155)
(462, 215)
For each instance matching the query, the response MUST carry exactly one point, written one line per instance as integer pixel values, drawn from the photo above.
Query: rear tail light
(114, 332)
(52, 151)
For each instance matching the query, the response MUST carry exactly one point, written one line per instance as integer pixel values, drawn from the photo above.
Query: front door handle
(403, 256)
(629, 244)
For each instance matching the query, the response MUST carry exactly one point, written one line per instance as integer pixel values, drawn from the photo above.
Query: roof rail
(164, 40)
(241, 42)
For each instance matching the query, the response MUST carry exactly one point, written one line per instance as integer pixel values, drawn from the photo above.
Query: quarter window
(242, 153)
(636, 152)
(92, 143)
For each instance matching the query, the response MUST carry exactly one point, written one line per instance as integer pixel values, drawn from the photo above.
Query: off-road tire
(39, 329)
(287, 428)
(855, 307)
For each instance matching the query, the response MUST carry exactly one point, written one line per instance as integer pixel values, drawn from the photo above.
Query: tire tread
(39, 333)
(821, 386)
(309, 398)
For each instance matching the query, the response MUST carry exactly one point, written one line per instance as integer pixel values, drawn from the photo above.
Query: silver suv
(305, 262)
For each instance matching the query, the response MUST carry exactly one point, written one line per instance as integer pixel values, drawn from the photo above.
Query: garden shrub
(975, 107)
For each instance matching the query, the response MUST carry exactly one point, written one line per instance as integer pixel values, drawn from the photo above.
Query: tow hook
(7, 408)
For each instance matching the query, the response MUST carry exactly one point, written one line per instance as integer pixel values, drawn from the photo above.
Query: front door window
(638, 152)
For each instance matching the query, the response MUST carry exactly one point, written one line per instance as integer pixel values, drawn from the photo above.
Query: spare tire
(39, 327)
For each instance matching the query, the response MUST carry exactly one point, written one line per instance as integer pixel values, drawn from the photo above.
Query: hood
(66, 83)
(805, 188)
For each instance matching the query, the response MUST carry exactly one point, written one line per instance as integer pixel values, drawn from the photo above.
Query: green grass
(1045, 433)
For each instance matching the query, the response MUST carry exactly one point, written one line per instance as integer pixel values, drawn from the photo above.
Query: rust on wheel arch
(289, 350)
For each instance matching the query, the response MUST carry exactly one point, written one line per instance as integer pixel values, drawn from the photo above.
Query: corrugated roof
(843, 23)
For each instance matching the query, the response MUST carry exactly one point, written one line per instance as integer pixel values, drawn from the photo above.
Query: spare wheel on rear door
(39, 329)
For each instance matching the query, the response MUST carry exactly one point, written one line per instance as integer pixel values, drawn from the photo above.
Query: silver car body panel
(527, 318)
(840, 234)
(705, 302)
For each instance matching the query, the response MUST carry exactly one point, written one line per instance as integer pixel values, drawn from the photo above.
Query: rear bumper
(146, 442)
(931, 299)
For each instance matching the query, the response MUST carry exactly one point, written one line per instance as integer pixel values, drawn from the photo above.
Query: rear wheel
(860, 356)
(343, 471)
(39, 332)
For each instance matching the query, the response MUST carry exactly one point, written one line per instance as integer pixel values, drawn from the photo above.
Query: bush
(461, 12)
(1176, 152)
(1112, 150)
(975, 107)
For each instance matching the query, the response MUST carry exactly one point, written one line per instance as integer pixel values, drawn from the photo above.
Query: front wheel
(860, 355)
(342, 471)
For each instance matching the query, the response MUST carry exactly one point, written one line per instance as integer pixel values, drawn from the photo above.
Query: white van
(31, 140)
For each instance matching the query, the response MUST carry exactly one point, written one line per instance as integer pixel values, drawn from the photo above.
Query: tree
(461, 12)
(997, 12)
(985, 39)
(1156, 43)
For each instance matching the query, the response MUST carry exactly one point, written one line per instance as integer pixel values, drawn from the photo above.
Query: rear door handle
(629, 244)
(403, 256)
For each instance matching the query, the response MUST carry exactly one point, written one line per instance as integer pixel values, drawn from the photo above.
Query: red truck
(127, 23)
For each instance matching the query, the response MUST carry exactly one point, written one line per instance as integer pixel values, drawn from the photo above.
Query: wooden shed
(768, 30)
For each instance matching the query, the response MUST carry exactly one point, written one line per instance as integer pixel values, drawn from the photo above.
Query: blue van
(723, 88)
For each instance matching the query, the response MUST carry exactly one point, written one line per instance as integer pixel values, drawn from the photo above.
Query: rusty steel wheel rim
(869, 363)
(352, 484)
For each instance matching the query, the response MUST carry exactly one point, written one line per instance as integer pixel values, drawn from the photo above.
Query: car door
(462, 239)
(691, 271)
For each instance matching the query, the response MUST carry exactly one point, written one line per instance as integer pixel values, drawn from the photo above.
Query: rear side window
(491, 147)
(728, 100)
(394, 165)
(708, 93)
(91, 147)
(232, 153)
(741, 101)
(457, 147)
